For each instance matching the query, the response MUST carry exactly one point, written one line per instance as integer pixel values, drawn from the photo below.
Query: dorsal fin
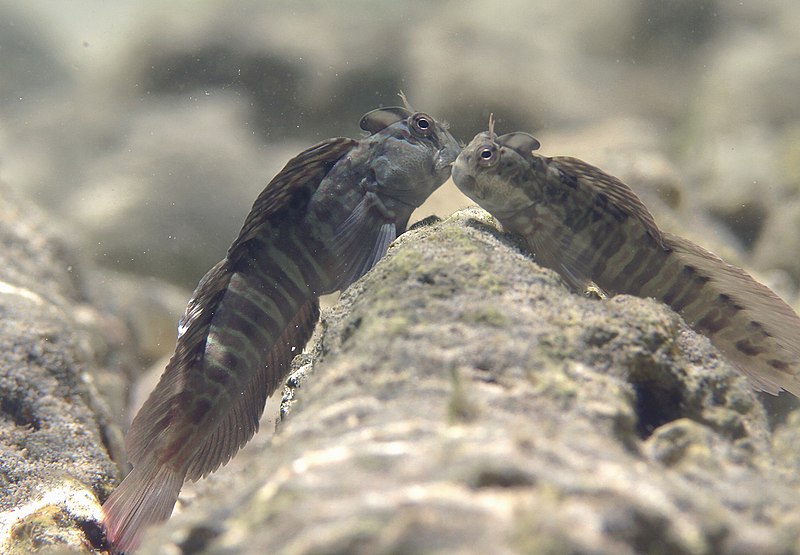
(295, 184)
(148, 424)
(620, 195)
(148, 494)
(381, 118)
(774, 326)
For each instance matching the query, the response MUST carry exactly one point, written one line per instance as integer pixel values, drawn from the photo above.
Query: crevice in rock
(94, 533)
(645, 531)
(425, 222)
(502, 477)
(352, 326)
(20, 412)
(778, 408)
(656, 405)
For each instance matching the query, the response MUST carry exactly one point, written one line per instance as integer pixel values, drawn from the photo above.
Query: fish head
(495, 171)
(411, 153)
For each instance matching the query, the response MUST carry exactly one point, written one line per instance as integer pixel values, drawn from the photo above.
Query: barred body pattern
(320, 224)
(592, 228)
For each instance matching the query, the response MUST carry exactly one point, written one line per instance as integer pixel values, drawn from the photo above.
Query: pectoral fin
(558, 256)
(362, 240)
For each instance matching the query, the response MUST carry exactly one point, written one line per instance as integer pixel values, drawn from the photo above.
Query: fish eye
(422, 124)
(487, 156)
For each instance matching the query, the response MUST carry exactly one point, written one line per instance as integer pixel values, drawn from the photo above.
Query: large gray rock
(64, 361)
(459, 399)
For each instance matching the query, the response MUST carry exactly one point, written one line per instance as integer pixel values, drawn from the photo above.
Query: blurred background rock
(152, 127)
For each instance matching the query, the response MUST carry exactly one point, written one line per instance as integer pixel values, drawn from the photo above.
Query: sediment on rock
(63, 362)
(459, 398)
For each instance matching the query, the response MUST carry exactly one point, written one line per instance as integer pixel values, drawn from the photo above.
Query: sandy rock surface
(62, 365)
(460, 400)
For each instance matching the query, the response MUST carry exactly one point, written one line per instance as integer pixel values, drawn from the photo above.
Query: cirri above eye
(487, 155)
(422, 124)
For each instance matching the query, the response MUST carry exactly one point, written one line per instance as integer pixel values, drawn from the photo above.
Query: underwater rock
(460, 399)
(63, 362)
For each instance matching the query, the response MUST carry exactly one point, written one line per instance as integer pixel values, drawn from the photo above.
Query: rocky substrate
(459, 399)
(58, 357)
(68, 349)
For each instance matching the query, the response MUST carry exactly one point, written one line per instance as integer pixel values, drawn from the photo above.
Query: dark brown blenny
(320, 224)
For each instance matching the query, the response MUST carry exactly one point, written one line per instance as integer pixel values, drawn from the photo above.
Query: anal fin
(753, 327)
(240, 423)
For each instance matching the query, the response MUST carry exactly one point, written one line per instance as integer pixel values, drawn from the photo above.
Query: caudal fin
(145, 497)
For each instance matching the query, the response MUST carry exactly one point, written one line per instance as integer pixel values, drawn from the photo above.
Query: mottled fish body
(592, 228)
(320, 224)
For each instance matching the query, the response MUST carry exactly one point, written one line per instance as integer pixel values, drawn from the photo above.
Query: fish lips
(447, 155)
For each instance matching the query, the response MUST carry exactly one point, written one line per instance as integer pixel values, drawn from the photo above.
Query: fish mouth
(441, 165)
(445, 158)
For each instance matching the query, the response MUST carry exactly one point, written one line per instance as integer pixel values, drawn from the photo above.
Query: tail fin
(145, 497)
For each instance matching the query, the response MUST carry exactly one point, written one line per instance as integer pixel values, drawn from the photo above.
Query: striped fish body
(320, 224)
(592, 228)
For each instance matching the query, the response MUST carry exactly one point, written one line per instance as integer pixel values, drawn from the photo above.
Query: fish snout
(449, 151)
(445, 159)
(464, 180)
